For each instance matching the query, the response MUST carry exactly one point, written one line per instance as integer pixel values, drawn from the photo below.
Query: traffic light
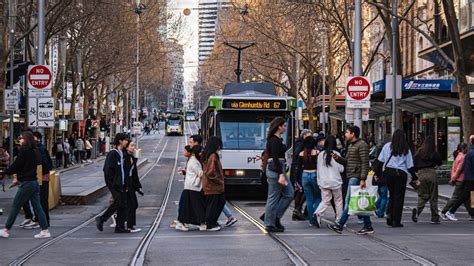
(103, 125)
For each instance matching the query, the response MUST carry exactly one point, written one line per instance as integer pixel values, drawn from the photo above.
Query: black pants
(214, 206)
(88, 154)
(132, 205)
(119, 205)
(396, 183)
(465, 197)
(59, 159)
(44, 199)
(28, 212)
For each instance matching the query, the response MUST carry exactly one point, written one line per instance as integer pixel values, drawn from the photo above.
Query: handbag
(382, 180)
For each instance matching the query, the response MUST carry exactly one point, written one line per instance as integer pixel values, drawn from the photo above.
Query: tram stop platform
(83, 185)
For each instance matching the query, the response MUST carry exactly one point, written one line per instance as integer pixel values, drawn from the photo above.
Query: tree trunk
(460, 69)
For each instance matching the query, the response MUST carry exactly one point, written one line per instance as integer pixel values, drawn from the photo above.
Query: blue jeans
(27, 191)
(353, 181)
(227, 211)
(279, 198)
(312, 192)
(381, 202)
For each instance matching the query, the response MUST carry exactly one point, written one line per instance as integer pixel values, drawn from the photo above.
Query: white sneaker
(174, 223)
(451, 216)
(43, 234)
(25, 222)
(230, 222)
(182, 227)
(216, 228)
(4, 233)
(443, 216)
(135, 230)
(202, 227)
(114, 221)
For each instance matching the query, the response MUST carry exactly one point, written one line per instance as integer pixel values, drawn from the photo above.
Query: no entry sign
(358, 92)
(40, 80)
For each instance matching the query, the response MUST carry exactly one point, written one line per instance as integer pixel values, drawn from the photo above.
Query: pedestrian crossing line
(207, 235)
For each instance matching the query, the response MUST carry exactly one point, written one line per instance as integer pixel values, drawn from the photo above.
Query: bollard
(54, 189)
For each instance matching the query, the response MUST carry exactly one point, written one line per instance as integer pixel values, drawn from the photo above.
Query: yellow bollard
(54, 189)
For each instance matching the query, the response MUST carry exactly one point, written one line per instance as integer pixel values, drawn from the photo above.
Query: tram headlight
(239, 172)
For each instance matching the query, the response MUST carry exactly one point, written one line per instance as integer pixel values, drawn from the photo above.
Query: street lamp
(323, 58)
(138, 10)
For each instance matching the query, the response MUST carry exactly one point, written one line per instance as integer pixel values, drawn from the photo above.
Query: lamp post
(394, 63)
(323, 65)
(138, 10)
(358, 54)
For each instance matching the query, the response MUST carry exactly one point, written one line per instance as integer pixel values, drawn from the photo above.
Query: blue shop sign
(423, 85)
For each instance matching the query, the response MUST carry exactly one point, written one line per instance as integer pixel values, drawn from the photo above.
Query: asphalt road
(245, 243)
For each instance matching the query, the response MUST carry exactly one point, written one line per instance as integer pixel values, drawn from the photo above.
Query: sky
(188, 36)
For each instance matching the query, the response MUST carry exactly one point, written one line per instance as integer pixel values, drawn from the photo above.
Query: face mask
(320, 147)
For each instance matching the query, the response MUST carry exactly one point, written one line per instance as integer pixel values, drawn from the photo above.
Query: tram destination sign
(242, 104)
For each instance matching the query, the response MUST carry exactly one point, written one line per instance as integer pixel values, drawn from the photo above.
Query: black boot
(298, 216)
(279, 225)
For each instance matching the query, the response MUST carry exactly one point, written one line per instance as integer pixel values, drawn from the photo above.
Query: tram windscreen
(174, 122)
(244, 131)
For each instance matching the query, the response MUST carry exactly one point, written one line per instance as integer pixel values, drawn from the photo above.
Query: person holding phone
(280, 193)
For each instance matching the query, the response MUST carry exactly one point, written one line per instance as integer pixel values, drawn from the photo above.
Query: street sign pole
(12, 61)
(394, 63)
(358, 55)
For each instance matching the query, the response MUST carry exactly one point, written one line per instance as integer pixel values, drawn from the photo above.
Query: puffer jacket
(357, 160)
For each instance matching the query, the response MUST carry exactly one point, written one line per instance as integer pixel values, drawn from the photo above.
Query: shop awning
(432, 54)
(417, 105)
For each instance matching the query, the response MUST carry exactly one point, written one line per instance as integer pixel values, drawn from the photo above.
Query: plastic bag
(362, 200)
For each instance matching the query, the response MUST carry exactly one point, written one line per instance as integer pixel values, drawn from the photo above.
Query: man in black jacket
(115, 179)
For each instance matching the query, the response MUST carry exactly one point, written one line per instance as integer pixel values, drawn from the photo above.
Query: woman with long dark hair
(193, 209)
(133, 186)
(396, 161)
(280, 191)
(308, 159)
(457, 180)
(329, 180)
(426, 159)
(213, 183)
(25, 167)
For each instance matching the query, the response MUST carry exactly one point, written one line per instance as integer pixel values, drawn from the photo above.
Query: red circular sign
(358, 88)
(39, 77)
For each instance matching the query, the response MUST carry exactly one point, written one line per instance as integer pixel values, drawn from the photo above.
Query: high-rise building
(208, 20)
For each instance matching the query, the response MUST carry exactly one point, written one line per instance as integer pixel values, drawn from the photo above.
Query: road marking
(206, 236)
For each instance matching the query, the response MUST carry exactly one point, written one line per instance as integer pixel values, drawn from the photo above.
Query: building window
(463, 15)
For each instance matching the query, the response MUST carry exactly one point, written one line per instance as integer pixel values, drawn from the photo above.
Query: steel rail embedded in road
(28, 255)
(410, 255)
(294, 257)
(139, 255)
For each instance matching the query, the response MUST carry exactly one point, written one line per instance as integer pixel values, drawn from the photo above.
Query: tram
(241, 117)
(174, 125)
(190, 115)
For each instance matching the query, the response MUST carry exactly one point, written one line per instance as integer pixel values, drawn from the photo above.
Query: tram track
(292, 255)
(139, 255)
(21, 260)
